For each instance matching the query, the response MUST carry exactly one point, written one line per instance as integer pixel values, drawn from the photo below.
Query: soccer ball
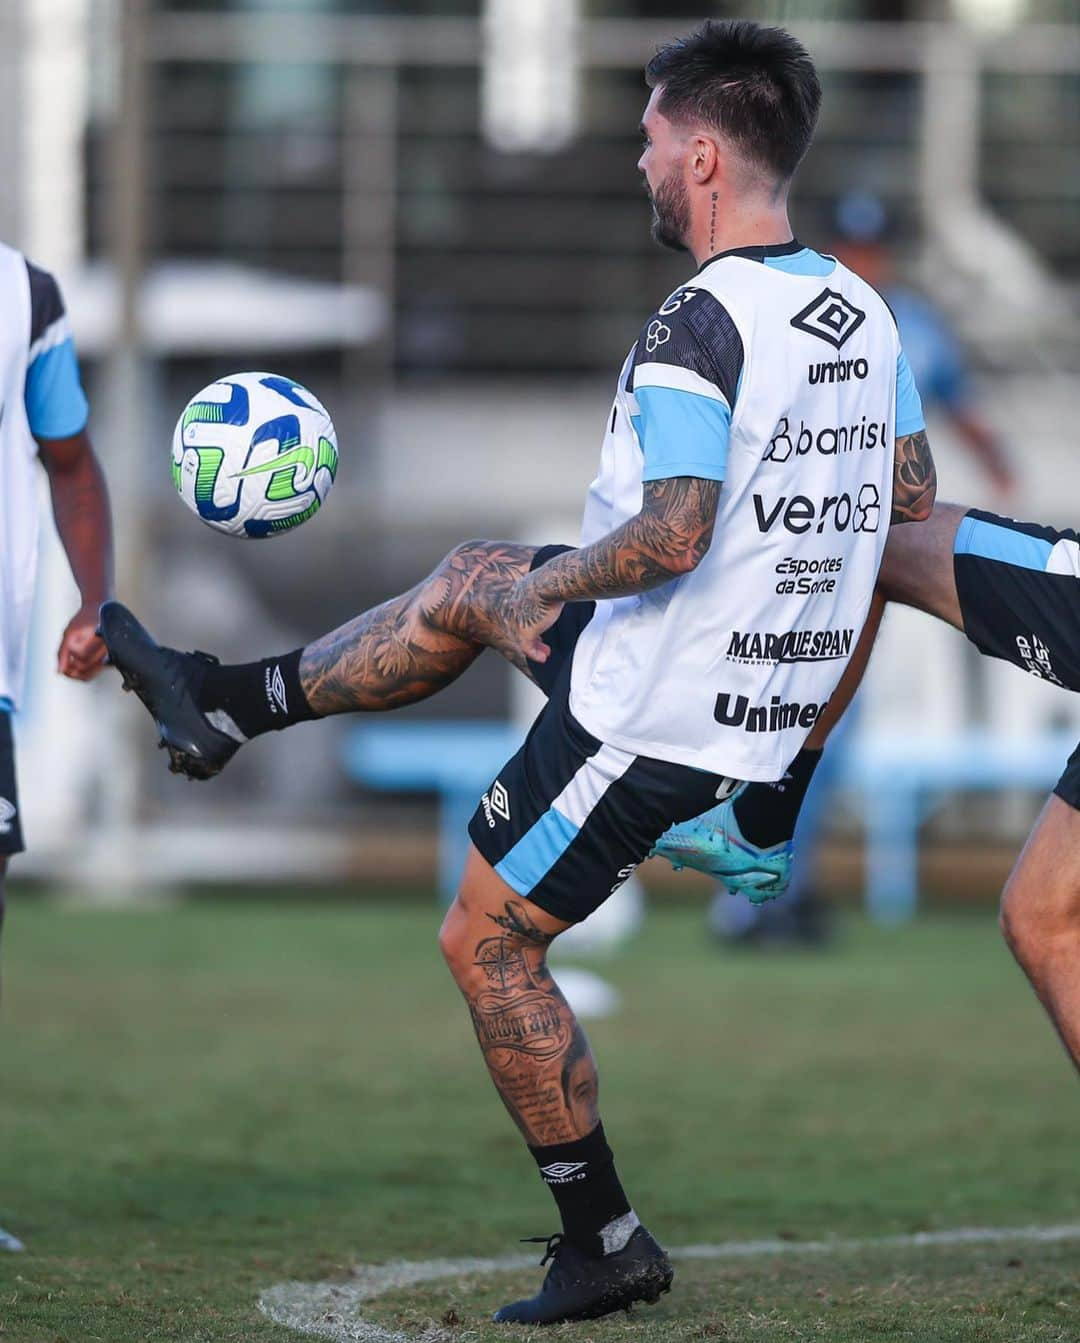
(254, 455)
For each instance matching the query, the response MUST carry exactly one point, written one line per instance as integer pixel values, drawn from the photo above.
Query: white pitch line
(331, 1310)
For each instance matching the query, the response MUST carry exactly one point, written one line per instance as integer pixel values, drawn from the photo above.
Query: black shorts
(1019, 590)
(11, 838)
(569, 818)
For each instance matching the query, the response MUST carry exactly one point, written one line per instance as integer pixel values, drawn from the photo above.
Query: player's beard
(671, 212)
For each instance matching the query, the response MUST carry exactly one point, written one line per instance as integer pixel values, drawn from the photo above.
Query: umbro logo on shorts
(496, 803)
(562, 1172)
(830, 317)
(7, 815)
(500, 801)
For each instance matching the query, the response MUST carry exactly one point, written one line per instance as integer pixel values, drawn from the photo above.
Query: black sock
(255, 697)
(767, 812)
(596, 1214)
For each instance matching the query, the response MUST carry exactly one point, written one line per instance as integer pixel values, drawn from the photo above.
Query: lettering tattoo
(534, 1048)
(712, 223)
(914, 479)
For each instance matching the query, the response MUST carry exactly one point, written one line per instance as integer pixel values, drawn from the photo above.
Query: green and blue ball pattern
(254, 455)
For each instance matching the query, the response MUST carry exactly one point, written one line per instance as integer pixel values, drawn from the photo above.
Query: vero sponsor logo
(799, 514)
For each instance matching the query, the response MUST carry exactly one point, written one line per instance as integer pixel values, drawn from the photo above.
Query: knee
(1035, 928)
(454, 945)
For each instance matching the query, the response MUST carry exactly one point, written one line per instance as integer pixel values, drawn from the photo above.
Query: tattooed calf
(534, 1049)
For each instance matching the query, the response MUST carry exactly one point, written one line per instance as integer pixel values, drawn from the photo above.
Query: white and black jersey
(778, 372)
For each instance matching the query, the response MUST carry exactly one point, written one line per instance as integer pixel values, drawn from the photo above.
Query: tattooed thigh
(460, 596)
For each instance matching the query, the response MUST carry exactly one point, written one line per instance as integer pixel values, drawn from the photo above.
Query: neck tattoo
(712, 224)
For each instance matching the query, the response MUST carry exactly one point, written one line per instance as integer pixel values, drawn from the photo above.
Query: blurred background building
(429, 212)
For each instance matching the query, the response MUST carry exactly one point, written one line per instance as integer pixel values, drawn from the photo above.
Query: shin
(495, 944)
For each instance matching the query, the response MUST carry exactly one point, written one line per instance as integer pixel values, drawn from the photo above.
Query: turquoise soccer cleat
(713, 843)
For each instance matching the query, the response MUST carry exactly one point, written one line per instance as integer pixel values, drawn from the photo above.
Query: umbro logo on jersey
(8, 813)
(840, 370)
(562, 1172)
(836, 512)
(831, 317)
(496, 803)
(275, 690)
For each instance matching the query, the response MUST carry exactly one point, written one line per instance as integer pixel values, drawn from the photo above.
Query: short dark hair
(757, 86)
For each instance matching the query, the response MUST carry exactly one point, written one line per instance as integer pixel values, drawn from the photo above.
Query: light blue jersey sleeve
(687, 369)
(682, 433)
(909, 412)
(56, 404)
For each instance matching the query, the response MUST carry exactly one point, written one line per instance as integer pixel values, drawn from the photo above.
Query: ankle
(244, 700)
(596, 1215)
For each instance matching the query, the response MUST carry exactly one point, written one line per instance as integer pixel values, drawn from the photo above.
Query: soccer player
(692, 640)
(43, 416)
(1011, 587)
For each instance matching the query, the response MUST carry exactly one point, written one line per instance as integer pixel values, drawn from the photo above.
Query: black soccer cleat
(581, 1287)
(167, 682)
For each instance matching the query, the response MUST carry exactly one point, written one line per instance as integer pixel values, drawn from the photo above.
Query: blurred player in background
(1014, 589)
(676, 658)
(941, 374)
(43, 414)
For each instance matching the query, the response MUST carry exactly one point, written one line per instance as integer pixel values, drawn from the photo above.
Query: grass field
(201, 1102)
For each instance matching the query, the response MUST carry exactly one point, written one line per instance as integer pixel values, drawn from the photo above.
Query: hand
(523, 616)
(82, 653)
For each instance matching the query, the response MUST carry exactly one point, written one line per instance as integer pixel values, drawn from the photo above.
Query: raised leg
(413, 645)
(402, 651)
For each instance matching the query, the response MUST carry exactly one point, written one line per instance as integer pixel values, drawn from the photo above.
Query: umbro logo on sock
(562, 1172)
(275, 690)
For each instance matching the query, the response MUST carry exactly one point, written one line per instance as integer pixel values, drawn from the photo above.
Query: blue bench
(457, 760)
(898, 781)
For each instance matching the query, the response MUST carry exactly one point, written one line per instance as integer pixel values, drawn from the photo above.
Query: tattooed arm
(914, 479)
(668, 538)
